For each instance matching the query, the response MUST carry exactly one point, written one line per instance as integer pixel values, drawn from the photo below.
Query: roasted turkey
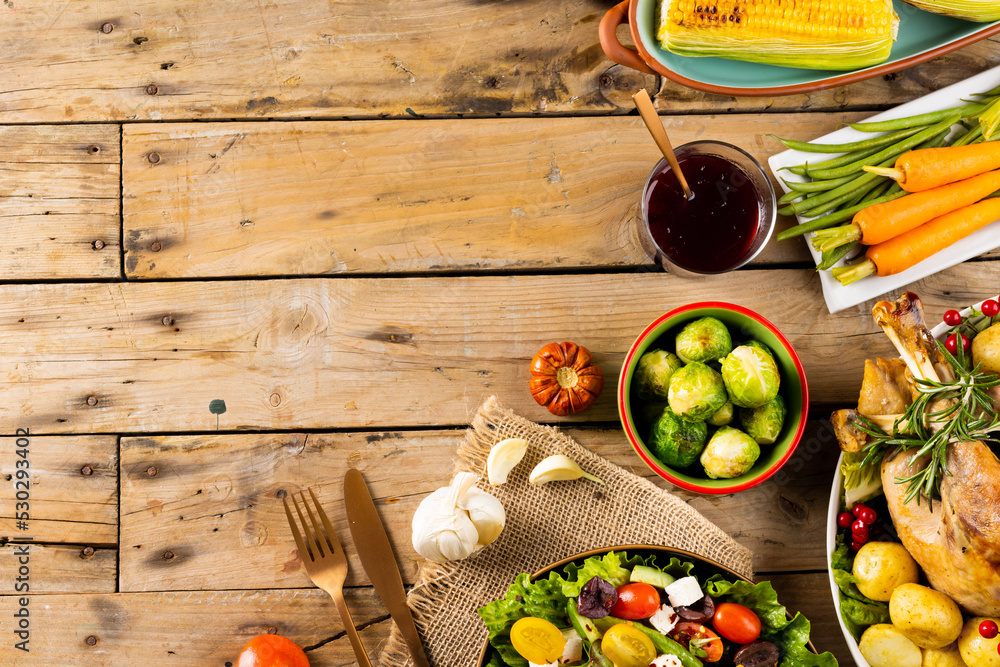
(955, 539)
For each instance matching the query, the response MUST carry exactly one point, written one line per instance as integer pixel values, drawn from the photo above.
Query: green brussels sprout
(764, 424)
(706, 339)
(723, 415)
(652, 374)
(729, 453)
(675, 441)
(696, 392)
(751, 376)
(760, 346)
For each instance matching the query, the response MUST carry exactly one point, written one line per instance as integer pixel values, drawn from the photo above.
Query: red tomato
(272, 651)
(636, 601)
(736, 623)
(698, 639)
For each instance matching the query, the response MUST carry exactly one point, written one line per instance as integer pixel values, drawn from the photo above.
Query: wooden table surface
(352, 222)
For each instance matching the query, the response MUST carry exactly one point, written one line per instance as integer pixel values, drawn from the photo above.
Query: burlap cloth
(544, 524)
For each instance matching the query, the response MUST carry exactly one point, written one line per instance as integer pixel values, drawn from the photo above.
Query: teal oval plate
(922, 36)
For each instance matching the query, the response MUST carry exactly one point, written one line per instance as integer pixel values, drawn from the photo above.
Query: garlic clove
(503, 457)
(486, 513)
(559, 467)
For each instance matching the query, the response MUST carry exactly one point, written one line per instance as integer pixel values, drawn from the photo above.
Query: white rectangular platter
(837, 296)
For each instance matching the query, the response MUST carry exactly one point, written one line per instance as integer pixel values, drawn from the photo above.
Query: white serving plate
(834, 509)
(837, 296)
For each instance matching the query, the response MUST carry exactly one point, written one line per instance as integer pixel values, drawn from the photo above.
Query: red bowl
(743, 325)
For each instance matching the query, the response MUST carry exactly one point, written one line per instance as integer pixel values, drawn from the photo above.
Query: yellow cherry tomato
(537, 640)
(627, 647)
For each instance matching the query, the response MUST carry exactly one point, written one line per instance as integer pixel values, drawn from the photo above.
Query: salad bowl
(703, 569)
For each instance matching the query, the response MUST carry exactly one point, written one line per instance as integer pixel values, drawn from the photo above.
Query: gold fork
(325, 563)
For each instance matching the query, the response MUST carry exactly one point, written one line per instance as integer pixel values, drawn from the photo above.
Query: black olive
(699, 612)
(758, 654)
(596, 598)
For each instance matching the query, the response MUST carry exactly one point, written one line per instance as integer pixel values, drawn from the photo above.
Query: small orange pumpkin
(272, 651)
(564, 380)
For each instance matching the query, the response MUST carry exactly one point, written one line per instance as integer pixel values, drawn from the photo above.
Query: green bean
(790, 197)
(800, 170)
(877, 192)
(922, 119)
(864, 144)
(847, 158)
(834, 218)
(815, 186)
(831, 257)
(849, 198)
(969, 137)
(889, 152)
(829, 195)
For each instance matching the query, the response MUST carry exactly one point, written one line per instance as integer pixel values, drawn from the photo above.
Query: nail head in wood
(167, 321)
(92, 640)
(107, 28)
(272, 630)
(168, 555)
(86, 471)
(156, 246)
(87, 552)
(151, 471)
(153, 158)
(151, 89)
(98, 245)
(91, 401)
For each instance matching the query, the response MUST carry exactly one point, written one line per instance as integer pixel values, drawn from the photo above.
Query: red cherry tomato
(636, 601)
(856, 510)
(845, 519)
(272, 651)
(990, 308)
(868, 515)
(952, 318)
(736, 623)
(699, 640)
(860, 534)
(988, 629)
(855, 545)
(951, 343)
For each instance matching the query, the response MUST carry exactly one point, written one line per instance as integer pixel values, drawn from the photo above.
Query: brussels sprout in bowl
(765, 375)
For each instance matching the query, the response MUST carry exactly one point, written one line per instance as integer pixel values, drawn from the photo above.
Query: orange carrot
(881, 222)
(907, 250)
(927, 168)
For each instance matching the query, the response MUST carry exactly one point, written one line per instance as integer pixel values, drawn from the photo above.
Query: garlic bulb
(559, 467)
(503, 457)
(456, 521)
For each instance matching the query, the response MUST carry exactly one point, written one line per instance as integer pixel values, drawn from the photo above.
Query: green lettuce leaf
(791, 636)
(613, 567)
(857, 610)
(541, 599)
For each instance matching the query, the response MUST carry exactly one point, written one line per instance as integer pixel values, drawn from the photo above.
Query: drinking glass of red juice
(726, 222)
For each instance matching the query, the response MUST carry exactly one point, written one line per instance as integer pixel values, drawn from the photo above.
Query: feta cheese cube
(573, 651)
(664, 619)
(666, 661)
(684, 591)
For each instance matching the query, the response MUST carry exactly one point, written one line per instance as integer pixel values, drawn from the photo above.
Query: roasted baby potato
(986, 349)
(882, 566)
(928, 617)
(883, 645)
(976, 650)
(948, 656)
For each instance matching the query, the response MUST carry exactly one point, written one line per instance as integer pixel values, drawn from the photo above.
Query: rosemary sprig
(942, 413)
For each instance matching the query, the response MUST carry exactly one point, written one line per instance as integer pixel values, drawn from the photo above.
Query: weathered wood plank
(56, 569)
(59, 200)
(341, 197)
(295, 58)
(72, 488)
(215, 500)
(321, 353)
(201, 628)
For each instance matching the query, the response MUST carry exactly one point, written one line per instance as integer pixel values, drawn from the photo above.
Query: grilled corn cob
(816, 34)
(970, 10)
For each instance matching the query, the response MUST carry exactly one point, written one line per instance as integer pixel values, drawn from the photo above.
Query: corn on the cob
(816, 34)
(970, 10)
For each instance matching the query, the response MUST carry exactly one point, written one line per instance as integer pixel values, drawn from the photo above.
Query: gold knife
(379, 561)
